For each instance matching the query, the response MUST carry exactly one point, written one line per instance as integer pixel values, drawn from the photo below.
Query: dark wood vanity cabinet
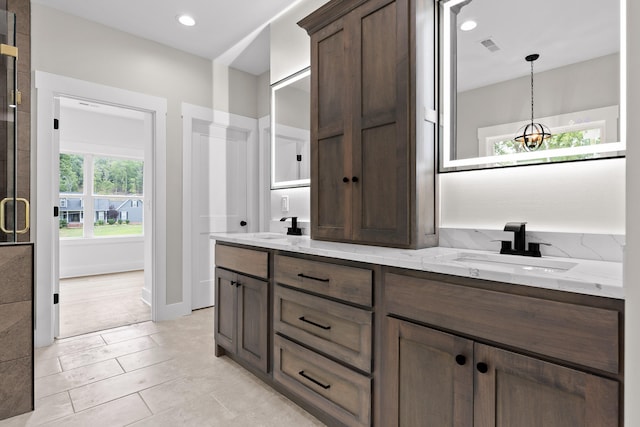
(464, 356)
(323, 343)
(242, 305)
(372, 155)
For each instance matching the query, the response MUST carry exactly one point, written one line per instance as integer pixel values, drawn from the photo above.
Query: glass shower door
(14, 210)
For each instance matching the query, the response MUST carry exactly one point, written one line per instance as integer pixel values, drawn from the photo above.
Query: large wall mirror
(290, 135)
(575, 87)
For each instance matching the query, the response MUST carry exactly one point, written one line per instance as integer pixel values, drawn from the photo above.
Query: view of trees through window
(560, 140)
(114, 208)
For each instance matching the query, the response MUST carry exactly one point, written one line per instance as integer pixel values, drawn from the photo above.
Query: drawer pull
(313, 380)
(326, 328)
(304, 276)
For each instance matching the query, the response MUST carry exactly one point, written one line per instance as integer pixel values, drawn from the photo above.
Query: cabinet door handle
(326, 328)
(461, 359)
(482, 368)
(234, 283)
(354, 179)
(304, 276)
(313, 380)
(345, 179)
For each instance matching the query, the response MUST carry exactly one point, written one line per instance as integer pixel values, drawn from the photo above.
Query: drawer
(350, 284)
(580, 334)
(336, 329)
(339, 391)
(248, 261)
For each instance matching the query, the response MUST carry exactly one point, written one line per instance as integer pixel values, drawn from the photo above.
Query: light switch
(284, 204)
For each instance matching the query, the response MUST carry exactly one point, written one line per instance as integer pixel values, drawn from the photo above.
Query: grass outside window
(114, 230)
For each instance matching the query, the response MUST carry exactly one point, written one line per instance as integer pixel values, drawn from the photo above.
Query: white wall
(576, 87)
(70, 46)
(234, 91)
(632, 250)
(84, 257)
(290, 45)
(580, 197)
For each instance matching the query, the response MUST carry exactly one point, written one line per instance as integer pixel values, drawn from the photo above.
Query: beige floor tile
(120, 412)
(47, 409)
(129, 332)
(73, 378)
(171, 378)
(99, 354)
(44, 367)
(144, 358)
(201, 412)
(96, 303)
(63, 347)
(113, 388)
(176, 393)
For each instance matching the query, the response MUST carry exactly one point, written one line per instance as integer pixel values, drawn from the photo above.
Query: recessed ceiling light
(468, 25)
(186, 20)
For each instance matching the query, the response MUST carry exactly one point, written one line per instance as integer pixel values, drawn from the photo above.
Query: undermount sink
(270, 236)
(514, 261)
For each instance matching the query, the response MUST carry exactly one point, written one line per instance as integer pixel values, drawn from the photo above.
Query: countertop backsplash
(598, 247)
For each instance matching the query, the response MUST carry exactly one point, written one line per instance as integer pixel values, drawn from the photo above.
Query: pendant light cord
(531, 92)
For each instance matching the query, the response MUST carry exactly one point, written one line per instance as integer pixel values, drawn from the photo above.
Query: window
(107, 201)
(579, 135)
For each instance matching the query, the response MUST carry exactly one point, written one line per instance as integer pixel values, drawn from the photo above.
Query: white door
(219, 179)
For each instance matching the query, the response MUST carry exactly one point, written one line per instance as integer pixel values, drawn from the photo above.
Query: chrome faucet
(519, 241)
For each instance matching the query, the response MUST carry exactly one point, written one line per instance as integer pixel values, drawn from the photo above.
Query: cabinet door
(380, 134)
(515, 390)
(427, 377)
(253, 301)
(225, 311)
(330, 138)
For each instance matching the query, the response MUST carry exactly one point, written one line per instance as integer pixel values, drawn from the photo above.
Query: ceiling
(236, 33)
(562, 32)
(220, 26)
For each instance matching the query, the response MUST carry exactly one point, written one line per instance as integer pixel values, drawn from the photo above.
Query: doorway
(220, 191)
(49, 87)
(101, 198)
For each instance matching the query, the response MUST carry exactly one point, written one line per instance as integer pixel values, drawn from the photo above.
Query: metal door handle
(26, 218)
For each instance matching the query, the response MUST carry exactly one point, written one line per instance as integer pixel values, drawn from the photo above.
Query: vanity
(362, 335)
(369, 322)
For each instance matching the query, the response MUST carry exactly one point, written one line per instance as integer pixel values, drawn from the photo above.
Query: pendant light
(531, 135)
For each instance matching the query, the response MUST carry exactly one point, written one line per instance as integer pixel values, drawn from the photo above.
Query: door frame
(190, 115)
(44, 195)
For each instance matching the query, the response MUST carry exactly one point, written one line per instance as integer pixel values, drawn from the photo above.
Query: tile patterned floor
(152, 374)
(101, 302)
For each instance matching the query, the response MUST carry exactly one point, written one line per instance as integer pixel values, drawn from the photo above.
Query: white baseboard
(95, 269)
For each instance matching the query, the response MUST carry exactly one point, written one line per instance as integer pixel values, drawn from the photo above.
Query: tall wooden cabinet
(372, 154)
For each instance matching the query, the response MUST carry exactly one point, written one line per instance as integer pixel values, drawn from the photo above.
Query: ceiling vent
(489, 44)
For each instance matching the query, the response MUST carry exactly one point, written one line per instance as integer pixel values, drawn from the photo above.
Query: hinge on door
(56, 298)
(56, 124)
(56, 211)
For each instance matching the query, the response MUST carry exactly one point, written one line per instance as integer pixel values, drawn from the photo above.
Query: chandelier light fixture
(531, 135)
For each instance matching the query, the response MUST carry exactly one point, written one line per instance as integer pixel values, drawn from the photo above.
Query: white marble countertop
(599, 278)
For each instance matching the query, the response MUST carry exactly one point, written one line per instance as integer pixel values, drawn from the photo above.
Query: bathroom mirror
(488, 89)
(290, 137)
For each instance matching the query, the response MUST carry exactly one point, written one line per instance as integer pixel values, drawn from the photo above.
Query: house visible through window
(112, 202)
